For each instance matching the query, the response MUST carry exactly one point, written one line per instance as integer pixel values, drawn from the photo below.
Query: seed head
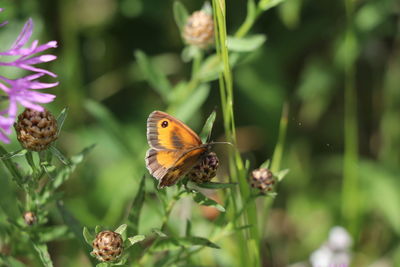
(30, 218)
(262, 179)
(36, 130)
(107, 246)
(205, 170)
(199, 29)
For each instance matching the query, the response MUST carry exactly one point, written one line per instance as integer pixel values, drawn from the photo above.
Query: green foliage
(333, 65)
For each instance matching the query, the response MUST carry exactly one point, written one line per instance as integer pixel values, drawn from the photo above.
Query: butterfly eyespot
(164, 124)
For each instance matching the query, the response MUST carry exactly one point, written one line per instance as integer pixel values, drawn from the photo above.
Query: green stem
(278, 152)
(250, 255)
(350, 194)
(253, 13)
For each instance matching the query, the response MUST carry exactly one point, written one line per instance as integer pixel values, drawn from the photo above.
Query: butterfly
(174, 148)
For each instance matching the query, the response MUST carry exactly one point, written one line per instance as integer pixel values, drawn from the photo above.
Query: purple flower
(23, 90)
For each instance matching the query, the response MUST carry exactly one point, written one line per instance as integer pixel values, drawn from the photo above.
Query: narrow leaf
(196, 241)
(268, 4)
(246, 44)
(207, 128)
(180, 14)
(158, 232)
(57, 153)
(72, 223)
(43, 254)
(61, 119)
(211, 185)
(134, 213)
(188, 228)
(154, 76)
(205, 201)
(51, 233)
(193, 103)
(135, 239)
(171, 243)
(266, 164)
(210, 69)
(87, 235)
(98, 229)
(7, 261)
(281, 174)
(121, 229)
(14, 154)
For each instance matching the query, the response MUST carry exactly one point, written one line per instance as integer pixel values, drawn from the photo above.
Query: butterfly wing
(167, 132)
(168, 166)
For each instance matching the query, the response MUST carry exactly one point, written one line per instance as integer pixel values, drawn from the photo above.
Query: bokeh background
(301, 63)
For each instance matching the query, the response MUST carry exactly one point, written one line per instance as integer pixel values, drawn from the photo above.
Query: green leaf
(196, 241)
(61, 119)
(103, 264)
(281, 174)
(201, 199)
(210, 69)
(43, 254)
(87, 235)
(57, 153)
(246, 44)
(48, 234)
(207, 128)
(188, 228)
(135, 210)
(171, 243)
(14, 154)
(7, 261)
(180, 14)
(193, 103)
(266, 164)
(158, 232)
(268, 4)
(121, 229)
(110, 124)
(211, 185)
(135, 239)
(190, 52)
(72, 223)
(63, 174)
(154, 76)
(98, 229)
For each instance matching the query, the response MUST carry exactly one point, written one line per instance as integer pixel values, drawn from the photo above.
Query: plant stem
(350, 195)
(250, 255)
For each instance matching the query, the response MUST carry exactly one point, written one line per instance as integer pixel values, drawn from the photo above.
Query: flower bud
(36, 130)
(30, 218)
(107, 246)
(262, 179)
(205, 170)
(199, 29)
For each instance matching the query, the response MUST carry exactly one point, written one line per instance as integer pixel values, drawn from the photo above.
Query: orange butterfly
(174, 148)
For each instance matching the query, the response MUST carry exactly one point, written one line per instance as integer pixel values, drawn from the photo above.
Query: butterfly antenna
(221, 143)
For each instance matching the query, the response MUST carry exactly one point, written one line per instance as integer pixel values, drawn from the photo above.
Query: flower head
(23, 90)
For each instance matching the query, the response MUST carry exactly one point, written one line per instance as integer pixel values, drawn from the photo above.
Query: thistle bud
(262, 179)
(199, 29)
(30, 218)
(107, 246)
(205, 170)
(36, 130)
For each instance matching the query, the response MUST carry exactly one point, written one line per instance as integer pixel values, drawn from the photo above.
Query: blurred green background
(301, 63)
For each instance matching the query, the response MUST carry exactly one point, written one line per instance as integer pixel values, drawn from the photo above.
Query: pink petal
(24, 35)
(28, 104)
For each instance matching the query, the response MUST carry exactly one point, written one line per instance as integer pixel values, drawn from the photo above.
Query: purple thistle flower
(23, 90)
